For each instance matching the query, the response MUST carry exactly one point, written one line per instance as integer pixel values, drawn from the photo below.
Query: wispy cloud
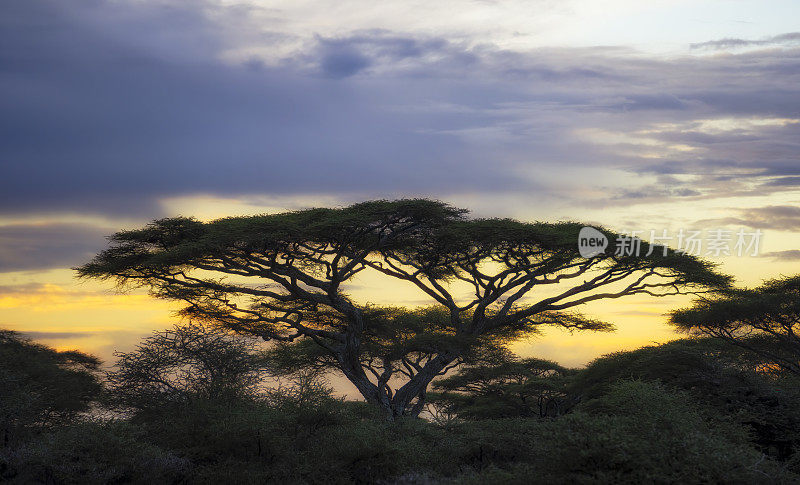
(790, 38)
(779, 218)
(787, 255)
(57, 335)
(55, 245)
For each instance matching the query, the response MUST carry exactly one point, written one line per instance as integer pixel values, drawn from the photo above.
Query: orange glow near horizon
(66, 313)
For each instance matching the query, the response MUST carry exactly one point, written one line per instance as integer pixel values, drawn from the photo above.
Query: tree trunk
(399, 404)
(417, 387)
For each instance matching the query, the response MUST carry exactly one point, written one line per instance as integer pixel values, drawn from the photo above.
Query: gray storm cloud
(109, 107)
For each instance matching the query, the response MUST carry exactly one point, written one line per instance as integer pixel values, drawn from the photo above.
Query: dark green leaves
(771, 310)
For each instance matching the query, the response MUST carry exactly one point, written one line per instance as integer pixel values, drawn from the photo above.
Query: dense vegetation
(238, 395)
(763, 320)
(690, 411)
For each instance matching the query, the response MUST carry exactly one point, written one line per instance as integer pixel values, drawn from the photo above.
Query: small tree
(287, 277)
(764, 320)
(186, 362)
(510, 387)
(40, 386)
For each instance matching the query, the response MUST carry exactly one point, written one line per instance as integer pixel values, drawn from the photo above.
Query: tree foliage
(284, 277)
(764, 320)
(510, 387)
(42, 387)
(729, 383)
(185, 363)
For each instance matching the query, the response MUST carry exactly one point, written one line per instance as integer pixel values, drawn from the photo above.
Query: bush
(635, 431)
(89, 453)
(186, 363)
(291, 434)
(41, 387)
(719, 377)
(638, 433)
(685, 416)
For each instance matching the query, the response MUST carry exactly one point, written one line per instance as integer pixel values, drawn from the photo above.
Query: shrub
(719, 377)
(638, 433)
(90, 453)
(41, 387)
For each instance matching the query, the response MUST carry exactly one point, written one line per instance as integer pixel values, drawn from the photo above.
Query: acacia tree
(764, 320)
(508, 387)
(284, 277)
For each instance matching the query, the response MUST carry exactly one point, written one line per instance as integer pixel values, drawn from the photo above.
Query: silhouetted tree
(186, 362)
(764, 320)
(726, 379)
(511, 387)
(40, 386)
(288, 273)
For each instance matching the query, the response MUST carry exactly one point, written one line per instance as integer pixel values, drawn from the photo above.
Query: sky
(659, 115)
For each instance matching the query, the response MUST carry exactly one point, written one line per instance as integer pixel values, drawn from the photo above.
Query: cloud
(340, 57)
(111, 108)
(58, 245)
(788, 255)
(108, 128)
(776, 217)
(339, 60)
(656, 192)
(649, 102)
(57, 335)
(784, 182)
(791, 38)
(60, 299)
